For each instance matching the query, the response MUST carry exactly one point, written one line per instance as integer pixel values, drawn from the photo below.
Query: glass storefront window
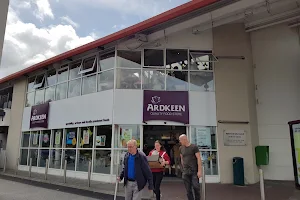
(30, 85)
(62, 74)
(202, 81)
(154, 58)
(126, 133)
(103, 137)
(74, 88)
(128, 79)
(23, 157)
(33, 154)
(44, 155)
(74, 71)
(51, 77)
(89, 84)
(102, 161)
(154, 79)
(177, 59)
(129, 59)
(177, 80)
(39, 97)
(84, 156)
(201, 60)
(46, 138)
(57, 138)
(34, 139)
(25, 139)
(55, 158)
(209, 159)
(86, 137)
(107, 61)
(118, 160)
(61, 91)
(70, 157)
(204, 137)
(30, 99)
(50, 94)
(71, 138)
(106, 80)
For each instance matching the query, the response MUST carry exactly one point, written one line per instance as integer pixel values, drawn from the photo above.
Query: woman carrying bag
(158, 173)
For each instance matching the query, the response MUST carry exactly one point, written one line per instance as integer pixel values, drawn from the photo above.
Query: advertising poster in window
(100, 140)
(71, 139)
(57, 138)
(35, 139)
(203, 137)
(125, 136)
(46, 138)
(86, 137)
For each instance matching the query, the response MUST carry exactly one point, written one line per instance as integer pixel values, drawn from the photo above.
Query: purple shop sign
(166, 105)
(39, 116)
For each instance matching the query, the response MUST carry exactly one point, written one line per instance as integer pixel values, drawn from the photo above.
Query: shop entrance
(169, 136)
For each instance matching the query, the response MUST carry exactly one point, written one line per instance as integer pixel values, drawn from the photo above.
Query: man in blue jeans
(136, 172)
(192, 167)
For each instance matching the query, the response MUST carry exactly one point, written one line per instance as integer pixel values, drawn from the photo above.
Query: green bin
(262, 155)
(238, 171)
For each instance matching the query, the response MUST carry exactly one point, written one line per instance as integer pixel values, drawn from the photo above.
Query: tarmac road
(18, 191)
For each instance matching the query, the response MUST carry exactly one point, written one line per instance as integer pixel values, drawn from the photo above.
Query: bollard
(203, 193)
(46, 169)
(30, 166)
(17, 166)
(262, 184)
(65, 171)
(4, 164)
(89, 173)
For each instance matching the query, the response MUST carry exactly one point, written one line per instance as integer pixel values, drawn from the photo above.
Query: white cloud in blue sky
(40, 29)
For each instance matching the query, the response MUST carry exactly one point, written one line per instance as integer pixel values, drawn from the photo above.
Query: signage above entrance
(39, 116)
(166, 105)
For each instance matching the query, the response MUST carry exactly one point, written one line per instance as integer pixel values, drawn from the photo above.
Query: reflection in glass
(177, 59)
(128, 79)
(153, 58)
(62, 75)
(106, 80)
(177, 80)
(61, 91)
(210, 162)
(45, 138)
(30, 84)
(30, 99)
(74, 71)
(44, 155)
(84, 156)
(201, 81)
(129, 59)
(102, 162)
(154, 79)
(33, 153)
(118, 160)
(51, 77)
(107, 61)
(39, 97)
(55, 158)
(25, 139)
(86, 137)
(204, 137)
(34, 139)
(70, 157)
(128, 132)
(201, 60)
(23, 157)
(50, 94)
(104, 136)
(71, 138)
(74, 88)
(57, 138)
(89, 84)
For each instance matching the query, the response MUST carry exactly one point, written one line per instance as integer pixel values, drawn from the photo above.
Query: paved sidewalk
(275, 190)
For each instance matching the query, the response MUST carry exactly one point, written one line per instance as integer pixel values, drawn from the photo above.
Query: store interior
(169, 136)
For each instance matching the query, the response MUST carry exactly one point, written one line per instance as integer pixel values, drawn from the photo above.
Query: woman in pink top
(158, 173)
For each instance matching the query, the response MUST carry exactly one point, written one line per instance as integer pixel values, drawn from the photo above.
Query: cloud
(68, 20)
(26, 44)
(43, 9)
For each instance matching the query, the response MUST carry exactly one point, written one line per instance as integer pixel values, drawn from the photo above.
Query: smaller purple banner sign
(166, 106)
(39, 116)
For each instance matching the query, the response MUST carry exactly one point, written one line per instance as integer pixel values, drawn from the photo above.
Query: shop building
(210, 69)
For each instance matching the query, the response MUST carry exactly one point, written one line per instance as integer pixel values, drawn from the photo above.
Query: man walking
(136, 172)
(192, 167)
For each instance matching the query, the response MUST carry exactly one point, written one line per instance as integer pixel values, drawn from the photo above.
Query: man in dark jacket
(136, 172)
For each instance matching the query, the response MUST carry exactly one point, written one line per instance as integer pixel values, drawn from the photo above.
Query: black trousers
(191, 182)
(157, 178)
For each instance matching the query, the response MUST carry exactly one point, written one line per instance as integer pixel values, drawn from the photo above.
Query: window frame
(83, 71)
(40, 85)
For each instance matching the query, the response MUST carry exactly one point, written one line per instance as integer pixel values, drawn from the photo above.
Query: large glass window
(86, 137)
(129, 59)
(39, 97)
(55, 158)
(204, 137)
(201, 81)
(57, 138)
(154, 79)
(88, 66)
(30, 85)
(45, 139)
(84, 157)
(44, 155)
(23, 157)
(89, 84)
(102, 161)
(126, 133)
(74, 70)
(71, 138)
(25, 139)
(61, 91)
(62, 74)
(104, 136)
(30, 99)
(107, 61)
(33, 154)
(106, 80)
(50, 94)
(154, 58)
(35, 139)
(51, 77)
(128, 78)
(70, 157)
(74, 88)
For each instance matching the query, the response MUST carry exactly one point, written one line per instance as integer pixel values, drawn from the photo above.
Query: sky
(40, 29)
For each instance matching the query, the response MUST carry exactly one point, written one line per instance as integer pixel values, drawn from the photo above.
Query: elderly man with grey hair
(136, 172)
